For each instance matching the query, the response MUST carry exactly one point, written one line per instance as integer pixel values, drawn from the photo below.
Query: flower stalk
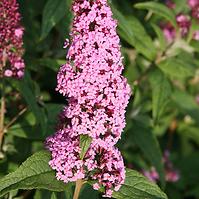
(2, 120)
(79, 184)
(3, 104)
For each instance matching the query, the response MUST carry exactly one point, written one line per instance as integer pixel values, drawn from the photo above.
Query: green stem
(3, 103)
(2, 120)
(149, 15)
(14, 119)
(79, 184)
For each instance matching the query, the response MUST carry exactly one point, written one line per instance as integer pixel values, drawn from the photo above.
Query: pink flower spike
(97, 95)
(11, 41)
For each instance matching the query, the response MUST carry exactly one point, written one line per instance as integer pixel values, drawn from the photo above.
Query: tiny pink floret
(19, 32)
(196, 35)
(193, 3)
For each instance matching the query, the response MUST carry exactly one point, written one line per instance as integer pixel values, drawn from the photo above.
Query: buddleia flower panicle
(97, 95)
(11, 43)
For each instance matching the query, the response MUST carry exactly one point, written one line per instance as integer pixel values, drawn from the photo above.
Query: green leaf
(53, 11)
(136, 186)
(193, 192)
(52, 111)
(159, 9)
(28, 129)
(133, 32)
(85, 142)
(161, 91)
(191, 132)
(53, 64)
(187, 104)
(53, 196)
(161, 37)
(34, 173)
(176, 67)
(41, 194)
(87, 190)
(181, 48)
(66, 194)
(26, 88)
(144, 138)
(181, 6)
(188, 167)
(24, 130)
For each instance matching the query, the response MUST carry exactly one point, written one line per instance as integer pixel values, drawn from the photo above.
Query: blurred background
(160, 45)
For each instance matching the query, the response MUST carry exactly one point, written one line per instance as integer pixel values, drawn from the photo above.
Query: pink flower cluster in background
(194, 5)
(183, 21)
(171, 174)
(11, 33)
(97, 95)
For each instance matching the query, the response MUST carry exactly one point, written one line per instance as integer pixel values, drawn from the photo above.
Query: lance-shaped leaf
(142, 135)
(133, 32)
(54, 10)
(34, 173)
(85, 142)
(136, 186)
(177, 67)
(26, 87)
(161, 37)
(159, 9)
(161, 91)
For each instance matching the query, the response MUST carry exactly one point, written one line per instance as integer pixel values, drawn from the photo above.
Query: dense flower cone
(11, 33)
(97, 95)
